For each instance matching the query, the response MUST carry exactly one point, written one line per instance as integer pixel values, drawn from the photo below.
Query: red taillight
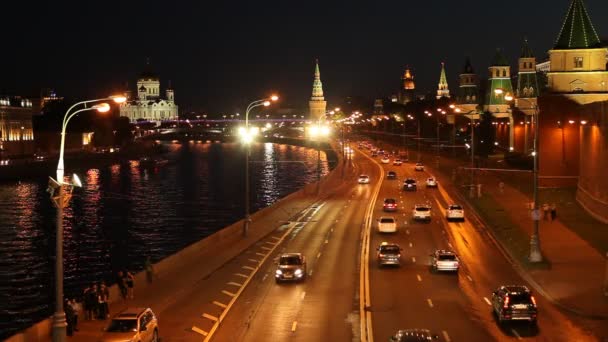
(505, 305)
(533, 300)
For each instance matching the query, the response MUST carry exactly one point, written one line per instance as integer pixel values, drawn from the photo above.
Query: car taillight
(505, 304)
(533, 300)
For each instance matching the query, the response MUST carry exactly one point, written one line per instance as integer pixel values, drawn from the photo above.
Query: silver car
(291, 267)
(389, 254)
(445, 261)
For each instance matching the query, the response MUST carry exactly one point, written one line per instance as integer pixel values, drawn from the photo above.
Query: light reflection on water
(127, 211)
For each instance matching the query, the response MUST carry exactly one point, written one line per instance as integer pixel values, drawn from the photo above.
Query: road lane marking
(253, 260)
(430, 302)
(266, 248)
(276, 238)
(310, 273)
(446, 337)
(265, 276)
(294, 325)
(303, 295)
(411, 244)
(487, 301)
(235, 284)
(228, 293)
(248, 268)
(240, 275)
(469, 277)
(516, 334)
(418, 277)
(413, 259)
(208, 316)
(260, 254)
(450, 244)
(221, 305)
(270, 242)
(326, 241)
(319, 255)
(200, 331)
(407, 231)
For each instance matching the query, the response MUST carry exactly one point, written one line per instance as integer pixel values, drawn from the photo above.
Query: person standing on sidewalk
(122, 286)
(149, 270)
(91, 302)
(545, 211)
(553, 211)
(69, 317)
(129, 281)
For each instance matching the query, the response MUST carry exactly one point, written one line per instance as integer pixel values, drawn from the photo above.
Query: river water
(127, 211)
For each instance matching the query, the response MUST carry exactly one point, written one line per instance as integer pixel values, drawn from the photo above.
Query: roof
(499, 59)
(577, 30)
(526, 52)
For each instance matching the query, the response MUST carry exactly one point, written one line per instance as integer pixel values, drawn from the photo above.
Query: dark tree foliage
(484, 140)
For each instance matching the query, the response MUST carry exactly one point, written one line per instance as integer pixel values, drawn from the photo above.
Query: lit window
(578, 62)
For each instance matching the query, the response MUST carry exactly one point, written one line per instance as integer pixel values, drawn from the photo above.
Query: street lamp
(472, 146)
(318, 132)
(247, 134)
(61, 197)
(535, 251)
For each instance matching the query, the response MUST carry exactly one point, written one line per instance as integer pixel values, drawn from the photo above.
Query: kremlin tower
(317, 104)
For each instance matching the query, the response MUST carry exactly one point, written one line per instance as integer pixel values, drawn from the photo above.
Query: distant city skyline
(221, 56)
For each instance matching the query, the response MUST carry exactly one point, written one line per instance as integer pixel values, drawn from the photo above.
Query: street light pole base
(59, 327)
(246, 226)
(535, 254)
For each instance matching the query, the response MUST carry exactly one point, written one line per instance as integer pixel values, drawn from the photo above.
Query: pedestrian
(91, 302)
(129, 281)
(149, 269)
(69, 317)
(102, 301)
(87, 307)
(76, 308)
(545, 211)
(553, 212)
(122, 286)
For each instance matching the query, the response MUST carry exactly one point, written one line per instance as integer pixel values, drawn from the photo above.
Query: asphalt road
(326, 305)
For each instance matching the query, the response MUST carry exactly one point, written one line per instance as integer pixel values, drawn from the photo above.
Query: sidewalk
(575, 278)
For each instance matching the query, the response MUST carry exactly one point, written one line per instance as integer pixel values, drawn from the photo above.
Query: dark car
(390, 204)
(391, 175)
(514, 303)
(291, 266)
(409, 184)
(413, 335)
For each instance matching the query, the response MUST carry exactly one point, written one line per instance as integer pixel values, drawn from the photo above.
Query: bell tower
(317, 104)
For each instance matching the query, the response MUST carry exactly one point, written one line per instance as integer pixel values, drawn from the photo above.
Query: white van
(387, 224)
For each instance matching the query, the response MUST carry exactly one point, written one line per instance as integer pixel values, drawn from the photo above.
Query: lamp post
(60, 199)
(472, 118)
(247, 136)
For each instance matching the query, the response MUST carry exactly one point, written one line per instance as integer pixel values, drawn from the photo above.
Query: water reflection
(125, 212)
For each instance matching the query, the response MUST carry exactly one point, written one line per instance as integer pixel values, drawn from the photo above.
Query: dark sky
(221, 54)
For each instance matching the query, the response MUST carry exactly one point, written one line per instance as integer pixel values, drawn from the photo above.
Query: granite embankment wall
(229, 238)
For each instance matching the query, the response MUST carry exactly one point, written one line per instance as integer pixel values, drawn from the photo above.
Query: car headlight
(298, 272)
(279, 272)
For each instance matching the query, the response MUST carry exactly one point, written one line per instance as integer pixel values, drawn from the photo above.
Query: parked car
(390, 204)
(409, 184)
(389, 254)
(291, 267)
(419, 167)
(387, 224)
(443, 260)
(454, 212)
(514, 303)
(421, 212)
(132, 324)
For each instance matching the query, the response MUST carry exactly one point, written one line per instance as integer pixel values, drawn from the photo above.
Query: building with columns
(16, 128)
(150, 105)
(317, 105)
(442, 87)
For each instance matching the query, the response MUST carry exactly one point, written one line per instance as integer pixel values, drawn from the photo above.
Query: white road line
(221, 305)
(253, 260)
(303, 295)
(418, 277)
(241, 275)
(228, 293)
(430, 302)
(266, 248)
(516, 334)
(200, 331)
(208, 316)
(234, 284)
(407, 231)
(319, 255)
(411, 244)
(326, 241)
(310, 273)
(446, 337)
(449, 244)
(260, 254)
(294, 325)
(270, 242)
(469, 277)
(487, 301)
(276, 238)
(332, 230)
(413, 259)
(248, 268)
(265, 276)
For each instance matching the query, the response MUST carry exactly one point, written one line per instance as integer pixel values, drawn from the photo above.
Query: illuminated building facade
(408, 87)
(16, 129)
(442, 87)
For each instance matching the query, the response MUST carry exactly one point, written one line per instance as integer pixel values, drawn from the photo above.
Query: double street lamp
(61, 193)
(247, 135)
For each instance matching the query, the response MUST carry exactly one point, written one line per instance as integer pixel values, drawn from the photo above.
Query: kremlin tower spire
(406, 92)
(317, 104)
(468, 91)
(442, 89)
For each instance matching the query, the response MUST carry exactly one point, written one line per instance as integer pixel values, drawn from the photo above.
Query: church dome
(148, 75)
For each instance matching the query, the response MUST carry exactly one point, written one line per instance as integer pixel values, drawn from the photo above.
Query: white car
(431, 182)
(387, 224)
(445, 261)
(363, 179)
(422, 212)
(385, 160)
(454, 212)
(397, 162)
(419, 167)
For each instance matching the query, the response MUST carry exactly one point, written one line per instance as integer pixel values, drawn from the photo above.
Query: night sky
(220, 55)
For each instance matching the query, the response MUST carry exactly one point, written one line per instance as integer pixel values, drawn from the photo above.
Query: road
(326, 306)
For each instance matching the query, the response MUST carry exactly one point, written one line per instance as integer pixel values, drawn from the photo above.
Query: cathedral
(149, 104)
